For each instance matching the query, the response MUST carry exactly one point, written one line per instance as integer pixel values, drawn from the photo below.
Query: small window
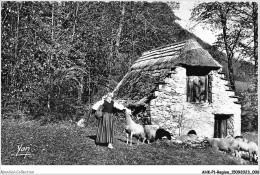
(197, 89)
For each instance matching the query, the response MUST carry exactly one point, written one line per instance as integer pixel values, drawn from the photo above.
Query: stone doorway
(220, 126)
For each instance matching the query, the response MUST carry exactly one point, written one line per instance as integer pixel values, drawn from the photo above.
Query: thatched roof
(188, 53)
(153, 66)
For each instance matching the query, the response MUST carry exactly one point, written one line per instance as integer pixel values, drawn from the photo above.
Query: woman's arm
(97, 104)
(118, 106)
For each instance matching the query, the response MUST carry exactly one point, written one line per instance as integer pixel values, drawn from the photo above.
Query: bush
(249, 122)
(249, 118)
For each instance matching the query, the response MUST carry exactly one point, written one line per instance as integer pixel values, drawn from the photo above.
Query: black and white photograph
(140, 84)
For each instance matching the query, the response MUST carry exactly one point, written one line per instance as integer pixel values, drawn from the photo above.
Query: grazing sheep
(192, 132)
(222, 144)
(160, 133)
(133, 128)
(253, 151)
(244, 145)
(150, 132)
(185, 138)
(239, 144)
(81, 122)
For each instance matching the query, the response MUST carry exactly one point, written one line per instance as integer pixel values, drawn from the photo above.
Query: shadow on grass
(121, 140)
(93, 137)
(124, 141)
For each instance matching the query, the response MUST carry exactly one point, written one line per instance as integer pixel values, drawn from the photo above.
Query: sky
(184, 13)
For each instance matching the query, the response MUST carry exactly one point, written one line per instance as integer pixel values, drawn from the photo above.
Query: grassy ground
(64, 144)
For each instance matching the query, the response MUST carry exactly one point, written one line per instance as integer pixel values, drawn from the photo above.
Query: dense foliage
(60, 57)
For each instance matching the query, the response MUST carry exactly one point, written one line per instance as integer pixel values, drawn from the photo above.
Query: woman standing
(105, 130)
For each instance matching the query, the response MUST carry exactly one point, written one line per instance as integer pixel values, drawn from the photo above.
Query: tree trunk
(51, 56)
(255, 52)
(110, 53)
(115, 43)
(75, 21)
(17, 32)
(89, 88)
(119, 31)
(52, 23)
(229, 54)
(16, 48)
(80, 90)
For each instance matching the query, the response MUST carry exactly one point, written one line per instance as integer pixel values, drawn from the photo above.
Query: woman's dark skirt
(105, 130)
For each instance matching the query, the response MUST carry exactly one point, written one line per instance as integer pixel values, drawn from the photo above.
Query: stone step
(237, 102)
(229, 90)
(235, 97)
(224, 79)
(160, 82)
(229, 85)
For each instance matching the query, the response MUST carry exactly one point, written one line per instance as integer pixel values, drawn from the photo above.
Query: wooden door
(220, 126)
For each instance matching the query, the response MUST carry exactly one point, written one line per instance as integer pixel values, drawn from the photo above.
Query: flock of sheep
(236, 146)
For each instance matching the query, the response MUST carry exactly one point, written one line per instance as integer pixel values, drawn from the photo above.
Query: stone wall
(171, 110)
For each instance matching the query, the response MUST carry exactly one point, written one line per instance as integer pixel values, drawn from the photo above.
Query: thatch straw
(197, 57)
(138, 84)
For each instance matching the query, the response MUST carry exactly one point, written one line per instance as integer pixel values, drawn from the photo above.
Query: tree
(249, 20)
(238, 23)
(221, 16)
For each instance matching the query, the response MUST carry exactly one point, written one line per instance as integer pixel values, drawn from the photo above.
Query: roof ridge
(166, 50)
(165, 46)
(156, 56)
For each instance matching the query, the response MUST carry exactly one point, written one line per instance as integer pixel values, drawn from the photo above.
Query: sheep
(81, 122)
(150, 132)
(253, 151)
(133, 128)
(222, 144)
(238, 145)
(244, 145)
(185, 138)
(160, 133)
(154, 132)
(192, 132)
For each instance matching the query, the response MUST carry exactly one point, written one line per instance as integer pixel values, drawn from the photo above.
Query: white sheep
(253, 151)
(133, 128)
(188, 137)
(81, 122)
(150, 132)
(222, 144)
(239, 144)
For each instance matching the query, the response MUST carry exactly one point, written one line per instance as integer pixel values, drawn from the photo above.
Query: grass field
(64, 144)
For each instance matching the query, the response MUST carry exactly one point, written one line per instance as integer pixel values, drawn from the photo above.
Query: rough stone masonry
(171, 110)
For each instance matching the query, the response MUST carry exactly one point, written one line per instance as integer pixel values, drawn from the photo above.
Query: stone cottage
(181, 87)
